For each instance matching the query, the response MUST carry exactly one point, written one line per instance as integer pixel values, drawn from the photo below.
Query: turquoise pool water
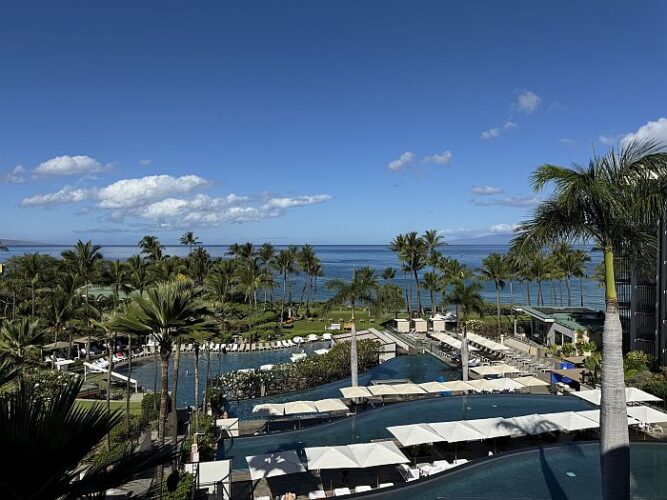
(417, 367)
(372, 424)
(565, 472)
(220, 363)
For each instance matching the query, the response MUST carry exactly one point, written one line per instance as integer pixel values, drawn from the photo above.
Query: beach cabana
(274, 464)
(647, 415)
(269, 410)
(299, 407)
(437, 323)
(433, 387)
(355, 392)
(330, 405)
(408, 389)
(419, 325)
(411, 435)
(402, 325)
(377, 454)
(330, 457)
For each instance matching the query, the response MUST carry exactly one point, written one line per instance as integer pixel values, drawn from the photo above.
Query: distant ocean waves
(340, 260)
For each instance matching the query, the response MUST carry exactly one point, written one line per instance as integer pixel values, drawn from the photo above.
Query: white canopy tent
(530, 424)
(410, 435)
(647, 415)
(570, 421)
(506, 384)
(274, 464)
(458, 386)
(433, 387)
(382, 390)
(355, 392)
(408, 389)
(482, 385)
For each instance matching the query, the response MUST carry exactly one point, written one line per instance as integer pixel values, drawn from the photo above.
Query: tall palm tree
(199, 264)
(57, 311)
(581, 258)
(433, 241)
(221, 280)
(431, 282)
(416, 259)
(452, 273)
(397, 246)
(52, 436)
(360, 290)
(151, 248)
(388, 274)
(538, 270)
(467, 299)
(265, 254)
(189, 240)
(20, 343)
(139, 275)
(600, 202)
(495, 269)
(284, 264)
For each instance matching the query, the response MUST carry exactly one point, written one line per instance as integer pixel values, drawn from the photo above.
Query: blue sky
(321, 122)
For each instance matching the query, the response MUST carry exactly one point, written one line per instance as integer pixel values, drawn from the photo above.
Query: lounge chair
(339, 492)
(362, 488)
(385, 485)
(314, 495)
(407, 473)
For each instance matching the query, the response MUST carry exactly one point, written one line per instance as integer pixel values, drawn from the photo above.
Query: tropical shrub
(179, 486)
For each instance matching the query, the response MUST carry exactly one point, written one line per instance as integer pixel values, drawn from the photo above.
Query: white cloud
(145, 163)
(503, 228)
(403, 161)
(444, 158)
(492, 133)
(70, 165)
(485, 190)
(14, 176)
(152, 200)
(609, 140)
(509, 124)
(527, 101)
(510, 201)
(653, 130)
(65, 195)
(565, 141)
(474, 232)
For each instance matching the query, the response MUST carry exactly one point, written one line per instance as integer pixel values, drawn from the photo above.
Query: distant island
(22, 243)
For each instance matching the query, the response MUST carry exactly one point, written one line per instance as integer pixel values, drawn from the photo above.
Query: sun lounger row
(339, 492)
(411, 473)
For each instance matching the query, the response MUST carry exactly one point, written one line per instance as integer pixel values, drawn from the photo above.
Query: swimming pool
(569, 471)
(220, 363)
(372, 424)
(417, 367)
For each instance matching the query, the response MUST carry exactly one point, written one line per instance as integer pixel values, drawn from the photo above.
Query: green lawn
(305, 327)
(135, 406)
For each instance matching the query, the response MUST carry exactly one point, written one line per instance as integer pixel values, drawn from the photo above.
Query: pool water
(373, 424)
(417, 367)
(569, 471)
(143, 372)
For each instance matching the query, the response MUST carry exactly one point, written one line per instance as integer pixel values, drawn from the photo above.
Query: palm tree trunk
(174, 391)
(497, 308)
(155, 366)
(464, 353)
(458, 320)
(568, 285)
(196, 384)
(208, 375)
(540, 297)
(581, 290)
(354, 362)
(432, 300)
(128, 386)
(303, 292)
(165, 352)
(419, 297)
(282, 307)
(528, 290)
(614, 441)
(109, 370)
(511, 293)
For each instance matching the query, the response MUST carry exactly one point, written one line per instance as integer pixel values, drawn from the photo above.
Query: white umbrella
(321, 352)
(530, 424)
(328, 405)
(486, 370)
(269, 409)
(274, 464)
(531, 381)
(355, 392)
(379, 453)
(634, 395)
(298, 340)
(299, 407)
(490, 427)
(408, 389)
(505, 384)
(483, 385)
(647, 415)
(454, 432)
(266, 367)
(592, 396)
(458, 385)
(331, 457)
(382, 390)
(326, 336)
(570, 421)
(433, 387)
(410, 435)
(312, 337)
(594, 415)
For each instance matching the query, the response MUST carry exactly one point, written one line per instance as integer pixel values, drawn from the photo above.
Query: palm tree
(495, 269)
(431, 282)
(139, 275)
(20, 343)
(284, 264)
(189, 239)
(538, 271)
(58, 310)
(388, 274)
(265, 255)
(221, 280)
(51, 437)
(415, 257)
(453, 272)
(151, 248)
(359, 291)
(581, 258)
(199, 263)
(467, 299)
(600, 203)
(397, 245)
(433, 241)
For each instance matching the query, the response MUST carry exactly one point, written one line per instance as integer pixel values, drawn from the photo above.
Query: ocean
(339, 261)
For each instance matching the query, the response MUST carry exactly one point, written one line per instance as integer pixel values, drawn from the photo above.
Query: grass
(135, 406)
(305, 327)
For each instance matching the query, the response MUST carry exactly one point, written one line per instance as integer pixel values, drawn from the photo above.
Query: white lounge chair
(407, 473)
(385, 485)
(339, 492)
(362, 488)
(314, 495)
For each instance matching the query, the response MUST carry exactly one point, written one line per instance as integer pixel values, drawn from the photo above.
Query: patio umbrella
(410, 435)
(570, 421)
(490, 427)
(486, 370)
(408, 389)
(330, 457)
(594, 415)
(328, 405)
(483, 385)
(634, 395)
(433, 387)
(382, 390)
(376, 454)
(531, 381)
(505, 384)
(457, 431)
(458, 385)
(269, 410)
(355, 392)
(530, 424)
(274, 464)
(299, 407)
(592, 396)
(647, 415)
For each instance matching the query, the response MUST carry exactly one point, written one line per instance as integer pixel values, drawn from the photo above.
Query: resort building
(642, 301)
(559, 325)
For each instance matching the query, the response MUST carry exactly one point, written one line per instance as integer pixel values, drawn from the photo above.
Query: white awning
(410, 435)
(331, 457)
(433, 387)
(408, 389)
(329, 405)
(382, 390)
(647, 415)
(274, 464)
(355, 392)
(376, 454)
(454, 432)
(490, 427)
(531, 381)
(594, 415)
(299, 407)
(269, 410)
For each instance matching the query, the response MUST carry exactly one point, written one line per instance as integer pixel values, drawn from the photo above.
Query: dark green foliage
(179, 486)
